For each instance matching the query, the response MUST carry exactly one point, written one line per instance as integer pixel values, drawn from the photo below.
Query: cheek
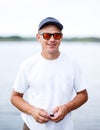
(58, 44)
(40, 40)
(43, 44)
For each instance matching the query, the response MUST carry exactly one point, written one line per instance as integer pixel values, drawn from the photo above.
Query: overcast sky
(21, 17)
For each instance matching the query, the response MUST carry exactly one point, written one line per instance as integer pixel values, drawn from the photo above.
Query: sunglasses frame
(51, 34)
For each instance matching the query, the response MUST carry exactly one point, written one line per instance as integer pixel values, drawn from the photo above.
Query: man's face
(50, 45)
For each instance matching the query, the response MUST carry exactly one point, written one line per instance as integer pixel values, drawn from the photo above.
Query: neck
(50, 56)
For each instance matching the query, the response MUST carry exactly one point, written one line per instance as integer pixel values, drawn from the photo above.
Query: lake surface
(12, 54)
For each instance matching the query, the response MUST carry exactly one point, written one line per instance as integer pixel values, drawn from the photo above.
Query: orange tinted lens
(57, 36)
(46, 36)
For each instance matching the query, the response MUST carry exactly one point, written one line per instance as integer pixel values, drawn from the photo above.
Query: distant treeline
(72, 39)
(16, 38)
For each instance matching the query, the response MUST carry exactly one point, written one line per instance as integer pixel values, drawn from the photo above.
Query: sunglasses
(47, 36)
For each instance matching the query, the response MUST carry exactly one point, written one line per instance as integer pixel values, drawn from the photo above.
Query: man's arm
(63, 110)
(78, 100)
(40, 115)
(18, 101)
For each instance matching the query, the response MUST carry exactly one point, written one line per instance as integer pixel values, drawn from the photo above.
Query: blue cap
(50, 21)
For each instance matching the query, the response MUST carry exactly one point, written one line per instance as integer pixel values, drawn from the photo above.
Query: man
(45, 82)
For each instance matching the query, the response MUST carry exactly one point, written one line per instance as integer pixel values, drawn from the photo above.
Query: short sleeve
(79, 79)
(21, 84)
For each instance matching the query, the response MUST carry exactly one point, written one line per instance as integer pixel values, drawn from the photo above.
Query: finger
(42, 119)
(55, 110)
(57, 119)
(44, 114)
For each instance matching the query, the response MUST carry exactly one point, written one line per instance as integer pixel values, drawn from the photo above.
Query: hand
(40, 115)
(59, 113)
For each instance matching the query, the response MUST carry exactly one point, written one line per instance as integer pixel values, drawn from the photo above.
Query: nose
(51, 38)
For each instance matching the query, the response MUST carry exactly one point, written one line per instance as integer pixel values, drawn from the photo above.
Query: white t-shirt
(47, 84)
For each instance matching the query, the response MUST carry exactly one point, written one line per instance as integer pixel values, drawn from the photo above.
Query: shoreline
(65, 39)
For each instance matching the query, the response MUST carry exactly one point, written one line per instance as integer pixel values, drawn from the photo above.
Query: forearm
(78, 100)
(40, 115)
(21, 104)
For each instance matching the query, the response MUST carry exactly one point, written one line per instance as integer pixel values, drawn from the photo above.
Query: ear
(62, 35)
(38, 37)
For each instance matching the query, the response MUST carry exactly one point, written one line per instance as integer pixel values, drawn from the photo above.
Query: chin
(52, 51)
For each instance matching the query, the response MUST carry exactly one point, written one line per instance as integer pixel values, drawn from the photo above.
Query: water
(12, 54)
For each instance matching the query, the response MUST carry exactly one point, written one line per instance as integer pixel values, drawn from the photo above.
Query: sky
(22, 17)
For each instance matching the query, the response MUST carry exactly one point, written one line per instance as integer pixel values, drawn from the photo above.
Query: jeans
(25, 127)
